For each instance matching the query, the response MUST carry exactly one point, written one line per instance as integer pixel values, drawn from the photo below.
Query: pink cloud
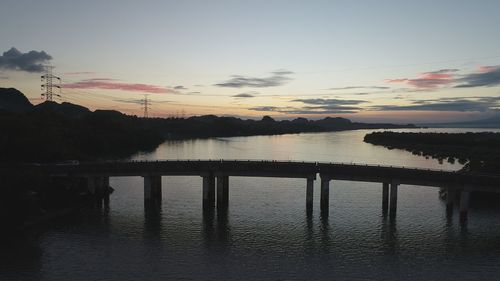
(428, 80)
(397, 80)
(111, 84)
(487, 68)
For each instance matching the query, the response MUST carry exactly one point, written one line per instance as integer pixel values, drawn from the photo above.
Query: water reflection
(325, 231)
(388, 234)
(223, 229)
(208, 233)
(216, 228)
(153, 221)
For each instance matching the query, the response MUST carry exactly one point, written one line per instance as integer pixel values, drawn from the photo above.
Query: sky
(372, 61)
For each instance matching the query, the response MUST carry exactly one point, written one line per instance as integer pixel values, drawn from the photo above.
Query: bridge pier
(310, 192)
(208, 190)
(92, 184)
(325, 194)
(464, 204)
(393, 199)
(98, 186)
(222, 192)
(106, 190)
(152, 193)
(385, 197)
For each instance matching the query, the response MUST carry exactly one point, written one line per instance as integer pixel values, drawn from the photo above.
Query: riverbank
(479, 152)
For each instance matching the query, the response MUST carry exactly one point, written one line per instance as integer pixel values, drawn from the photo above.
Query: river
(267, 234)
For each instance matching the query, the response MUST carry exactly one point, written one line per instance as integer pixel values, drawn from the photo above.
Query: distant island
(480, 152)
(55, 132)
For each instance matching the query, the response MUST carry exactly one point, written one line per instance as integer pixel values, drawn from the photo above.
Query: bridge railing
(317, 163)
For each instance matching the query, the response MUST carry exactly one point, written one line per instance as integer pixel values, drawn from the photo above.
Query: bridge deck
(287, 169)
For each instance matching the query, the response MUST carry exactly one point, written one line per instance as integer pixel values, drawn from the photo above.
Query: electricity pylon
(51, 81)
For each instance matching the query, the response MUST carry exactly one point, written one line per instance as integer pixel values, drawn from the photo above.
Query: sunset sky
(396, 61)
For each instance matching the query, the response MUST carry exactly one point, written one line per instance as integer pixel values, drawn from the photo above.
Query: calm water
(266, 234)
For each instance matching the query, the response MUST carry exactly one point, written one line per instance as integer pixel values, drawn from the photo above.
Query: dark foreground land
(480, 152)
(56, 132)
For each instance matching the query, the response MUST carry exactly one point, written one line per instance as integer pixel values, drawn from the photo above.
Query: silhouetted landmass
(480, 152)
(65, 108)
(11, 100)
(54, 132)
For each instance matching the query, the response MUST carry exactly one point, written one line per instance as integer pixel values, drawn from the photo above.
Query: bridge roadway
(216, 173)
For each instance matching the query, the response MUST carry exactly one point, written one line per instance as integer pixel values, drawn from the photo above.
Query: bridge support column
(464, 204)
(92, 183)
(222, 192)
(310, 191)
(208, 191)
(385, 197)
(325, 194)
(450, 197)
(152, 193)
(394, 199)
(106, 190)
(98, 186)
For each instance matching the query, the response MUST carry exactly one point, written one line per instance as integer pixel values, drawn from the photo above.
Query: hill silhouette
(65, 108)
(12, 100)
(53, 132)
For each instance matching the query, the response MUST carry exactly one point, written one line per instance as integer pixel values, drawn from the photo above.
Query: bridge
(215, 178)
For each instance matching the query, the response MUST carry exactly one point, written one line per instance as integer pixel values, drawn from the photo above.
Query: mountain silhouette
(65, 108)
(12, 100)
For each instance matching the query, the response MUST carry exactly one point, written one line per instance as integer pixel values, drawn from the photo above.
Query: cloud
(443, 71)
(329, 101)
(250, 94)
(327, 106)
(266, 108)
(277, 78)
(487, 68)
(316, 106)
(139, 101)
(282, 72)
(307, 110)
(244, 95)
(360, 87)
(180, 87)
(487, 76)
(428, 80)
(481, 104)
(111, 84)
(31, 61)
(130, 101)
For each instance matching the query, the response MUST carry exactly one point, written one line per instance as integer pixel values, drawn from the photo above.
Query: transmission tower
(50, 81)
(145, 106)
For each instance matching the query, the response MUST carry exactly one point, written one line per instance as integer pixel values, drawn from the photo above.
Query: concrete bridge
(215, 178)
